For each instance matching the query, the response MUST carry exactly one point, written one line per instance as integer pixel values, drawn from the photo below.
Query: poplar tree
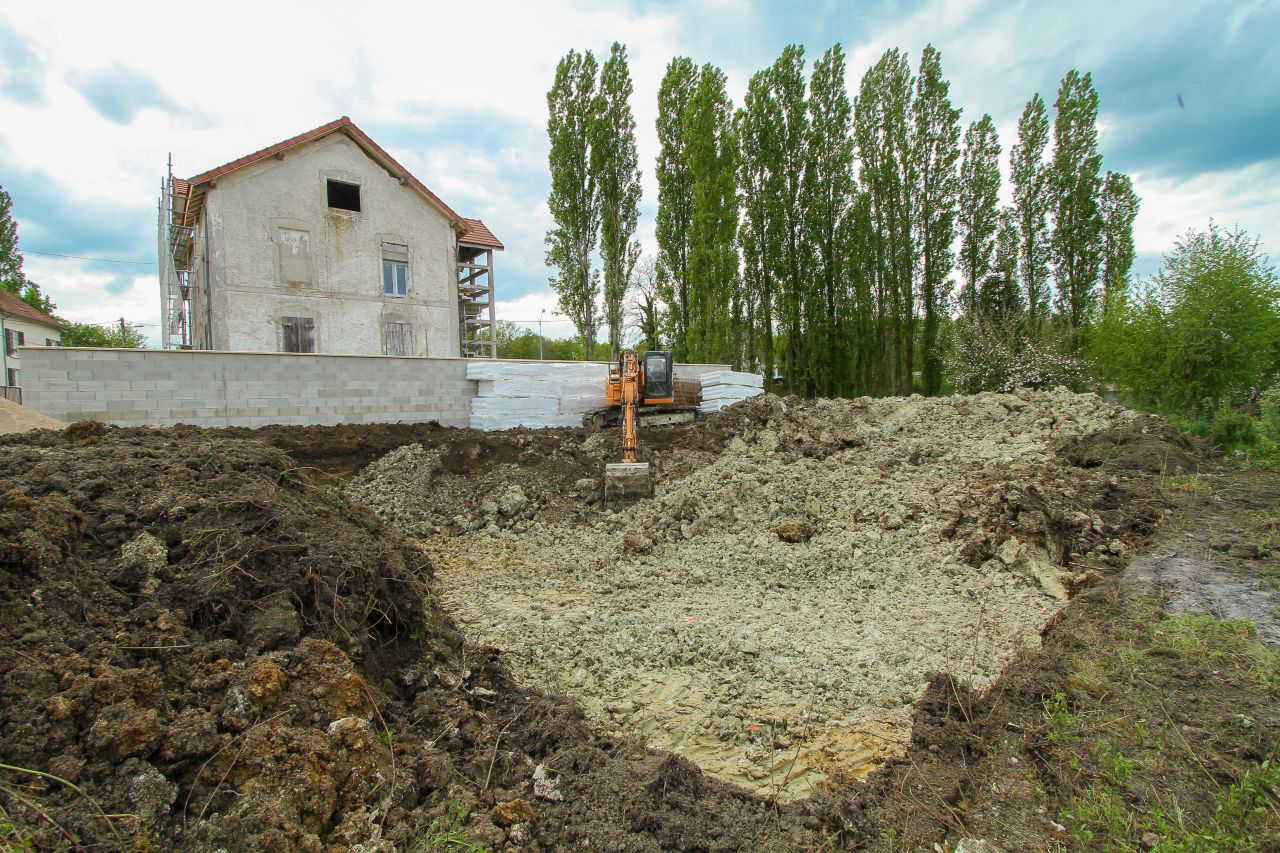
(935, 149)
(979, 202)
(711, 151)
(758, 123)
(617, 178)
(574, 199)
(1119, 209)
(881, 132)
(828, 198)
(1076, 184)
(675, 198)
(787, 83)
(1001, 292)
(1031, 199)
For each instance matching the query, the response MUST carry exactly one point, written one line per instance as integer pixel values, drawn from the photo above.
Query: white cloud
(525, 310)
(464, 89)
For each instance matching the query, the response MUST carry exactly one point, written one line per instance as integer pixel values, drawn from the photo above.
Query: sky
(96, 97)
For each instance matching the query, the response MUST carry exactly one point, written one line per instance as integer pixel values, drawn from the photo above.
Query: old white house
(322, 243)
(21, 325)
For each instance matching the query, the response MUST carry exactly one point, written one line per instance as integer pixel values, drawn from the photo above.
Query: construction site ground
(1000, 622)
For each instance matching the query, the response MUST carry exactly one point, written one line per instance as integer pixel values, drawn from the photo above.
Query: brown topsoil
(204, 646)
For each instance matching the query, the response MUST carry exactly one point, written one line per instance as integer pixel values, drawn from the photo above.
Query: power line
(83, 258)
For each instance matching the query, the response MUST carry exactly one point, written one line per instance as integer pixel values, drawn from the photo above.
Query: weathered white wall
(250, 285)
(36, 335)
(251, 389)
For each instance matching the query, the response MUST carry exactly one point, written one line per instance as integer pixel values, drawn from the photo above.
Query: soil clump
(220, 652)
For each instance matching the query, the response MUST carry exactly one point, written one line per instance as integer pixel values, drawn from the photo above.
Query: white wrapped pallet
(732, 377)
(722, 388)
(534, 394)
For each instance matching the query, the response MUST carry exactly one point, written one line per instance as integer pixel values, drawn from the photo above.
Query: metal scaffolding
(175, 235)
(476, 315)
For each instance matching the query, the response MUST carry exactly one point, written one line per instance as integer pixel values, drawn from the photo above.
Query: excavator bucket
(624, 481)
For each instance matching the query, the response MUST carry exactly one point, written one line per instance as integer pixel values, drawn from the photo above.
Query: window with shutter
(299, 334)
(395, 269)
(399, 337)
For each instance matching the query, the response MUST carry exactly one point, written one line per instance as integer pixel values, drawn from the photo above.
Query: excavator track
(646, 416)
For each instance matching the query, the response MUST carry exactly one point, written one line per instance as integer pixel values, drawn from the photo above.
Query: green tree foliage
(12, 278)
(617, 179)
(787, 83)
(711, 149)
(849, 217)
(1119, 208)
(882, 134)
(831, 318)
(675, 196)
(979, 200)
(1001, 293)
(516, 341)
(935, 149)
(574, 200)
(1031, 199)
(1076, 186)
(759, 126)
(1204, 333)
(110, 335)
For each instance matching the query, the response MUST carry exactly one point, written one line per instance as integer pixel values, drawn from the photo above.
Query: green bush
(1269, 406)
(1232, 428)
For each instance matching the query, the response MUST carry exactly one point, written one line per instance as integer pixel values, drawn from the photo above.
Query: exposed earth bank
(219, 649)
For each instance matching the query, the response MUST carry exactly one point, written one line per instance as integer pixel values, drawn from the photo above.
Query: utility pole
(544, 310)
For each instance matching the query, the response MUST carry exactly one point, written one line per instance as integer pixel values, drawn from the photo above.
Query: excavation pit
(776, 609)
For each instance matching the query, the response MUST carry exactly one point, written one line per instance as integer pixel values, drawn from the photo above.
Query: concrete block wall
(249, 389)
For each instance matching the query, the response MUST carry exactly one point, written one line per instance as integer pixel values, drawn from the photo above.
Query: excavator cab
(658, 377)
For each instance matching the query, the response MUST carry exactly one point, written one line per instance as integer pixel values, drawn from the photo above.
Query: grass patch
(1242, 815)
(1220, 644)
(1191, 484)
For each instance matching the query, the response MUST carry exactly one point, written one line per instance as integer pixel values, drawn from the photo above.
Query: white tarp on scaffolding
(534, 394)
(722, 388)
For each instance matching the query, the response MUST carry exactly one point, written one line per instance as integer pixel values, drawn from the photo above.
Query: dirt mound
(774, 611)
(15, 418)
(219, 652)
(1146, 443)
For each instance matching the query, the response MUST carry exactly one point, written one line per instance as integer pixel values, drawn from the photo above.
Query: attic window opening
(344, 196)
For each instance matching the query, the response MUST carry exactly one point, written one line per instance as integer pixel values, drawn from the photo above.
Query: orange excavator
(638, 389)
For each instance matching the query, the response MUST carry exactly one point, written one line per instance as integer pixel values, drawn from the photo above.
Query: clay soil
(207, 643)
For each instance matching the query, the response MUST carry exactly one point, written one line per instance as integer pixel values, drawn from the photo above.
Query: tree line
(840, 242)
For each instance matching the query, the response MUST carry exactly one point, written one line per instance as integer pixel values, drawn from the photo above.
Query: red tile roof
(478, 234)
(347, 126)
(12, 306)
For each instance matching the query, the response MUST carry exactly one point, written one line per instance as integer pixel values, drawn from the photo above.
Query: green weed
(1191, 484)
(1061, 722)
(446, 833)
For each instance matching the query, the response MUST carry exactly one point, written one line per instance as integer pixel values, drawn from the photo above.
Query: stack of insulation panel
(722, 388)
(528, 394)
